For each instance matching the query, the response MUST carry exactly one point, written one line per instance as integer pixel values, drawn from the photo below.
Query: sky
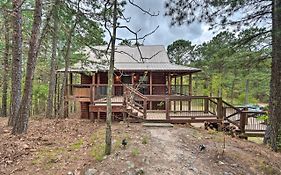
(165, 34)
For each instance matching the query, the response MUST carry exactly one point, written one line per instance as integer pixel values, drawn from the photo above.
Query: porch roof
(129, 58)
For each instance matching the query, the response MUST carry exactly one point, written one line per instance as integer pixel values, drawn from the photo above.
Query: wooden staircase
(134, 103)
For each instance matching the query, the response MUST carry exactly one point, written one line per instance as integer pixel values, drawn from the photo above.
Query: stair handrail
(130, 92)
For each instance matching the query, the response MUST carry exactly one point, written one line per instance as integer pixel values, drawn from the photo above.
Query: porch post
(98, 83)
(93, 88)
(150, 89)
(132, 79)
(169, 83)
(190, 91)
(98, 79)
(190, 85)
(181, 92)
(175, 84)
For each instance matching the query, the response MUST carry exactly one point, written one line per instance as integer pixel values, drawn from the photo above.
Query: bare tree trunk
(21, 124)
(5, 64)
(275, 84)
(108, 136)
(57, 95)
(52, 82)
(246, 92)
(16, 60)
(233, 87)
(64, 103)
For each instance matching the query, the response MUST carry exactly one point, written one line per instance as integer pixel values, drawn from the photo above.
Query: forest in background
(67, 30)
(240, 73)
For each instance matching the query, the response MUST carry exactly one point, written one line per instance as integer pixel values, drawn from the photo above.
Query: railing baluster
(206, 106)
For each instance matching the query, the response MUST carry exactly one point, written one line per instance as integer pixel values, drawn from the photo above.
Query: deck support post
(145, 108)
(91, 116)
(219, 108)
(98, 116)
(150, 89)
(190, 91)
(243, 117)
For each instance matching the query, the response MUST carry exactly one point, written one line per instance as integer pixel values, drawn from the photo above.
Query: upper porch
(92, 88)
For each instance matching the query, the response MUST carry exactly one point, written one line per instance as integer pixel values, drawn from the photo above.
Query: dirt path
(177, 156)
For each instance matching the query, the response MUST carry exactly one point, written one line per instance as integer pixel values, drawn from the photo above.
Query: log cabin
(147, 86)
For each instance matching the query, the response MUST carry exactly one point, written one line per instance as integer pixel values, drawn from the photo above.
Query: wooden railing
(98, 91)
(135, 100)
(193, 107)
(243, 118)
(177, 106)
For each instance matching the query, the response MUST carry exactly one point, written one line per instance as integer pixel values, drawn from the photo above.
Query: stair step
(157, 125)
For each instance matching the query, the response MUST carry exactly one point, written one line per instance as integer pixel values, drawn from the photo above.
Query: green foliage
(263, 118)
(98, 145)
(181, 52)
(48, 156)
(144, 140)
(76, 145)
(135, 152)
(226, 65)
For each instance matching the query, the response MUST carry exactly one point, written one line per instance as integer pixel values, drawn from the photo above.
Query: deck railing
(243, 118)
(97, 91)
(135, 100)
(175, 105)
(193, 107)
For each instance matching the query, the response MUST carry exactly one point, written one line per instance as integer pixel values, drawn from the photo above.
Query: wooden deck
(178, 109)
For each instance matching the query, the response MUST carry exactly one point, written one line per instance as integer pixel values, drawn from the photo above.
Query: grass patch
(98, 144)
(76, 145)
(212, 131)
(98, 141)
(135, 152)
(258, 140)
(144, 140)
(48, 156)
(267, 169)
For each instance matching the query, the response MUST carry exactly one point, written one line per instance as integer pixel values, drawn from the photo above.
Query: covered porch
(92, 88)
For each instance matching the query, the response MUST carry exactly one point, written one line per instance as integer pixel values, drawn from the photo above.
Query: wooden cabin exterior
(147, 87)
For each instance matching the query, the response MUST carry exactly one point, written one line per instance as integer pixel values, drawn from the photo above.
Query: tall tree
(21, 123)
(275, 84)
(16, 60)
(251, 13)
(52, 81)
(6, 54)
(110, 81)
(181, 52)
